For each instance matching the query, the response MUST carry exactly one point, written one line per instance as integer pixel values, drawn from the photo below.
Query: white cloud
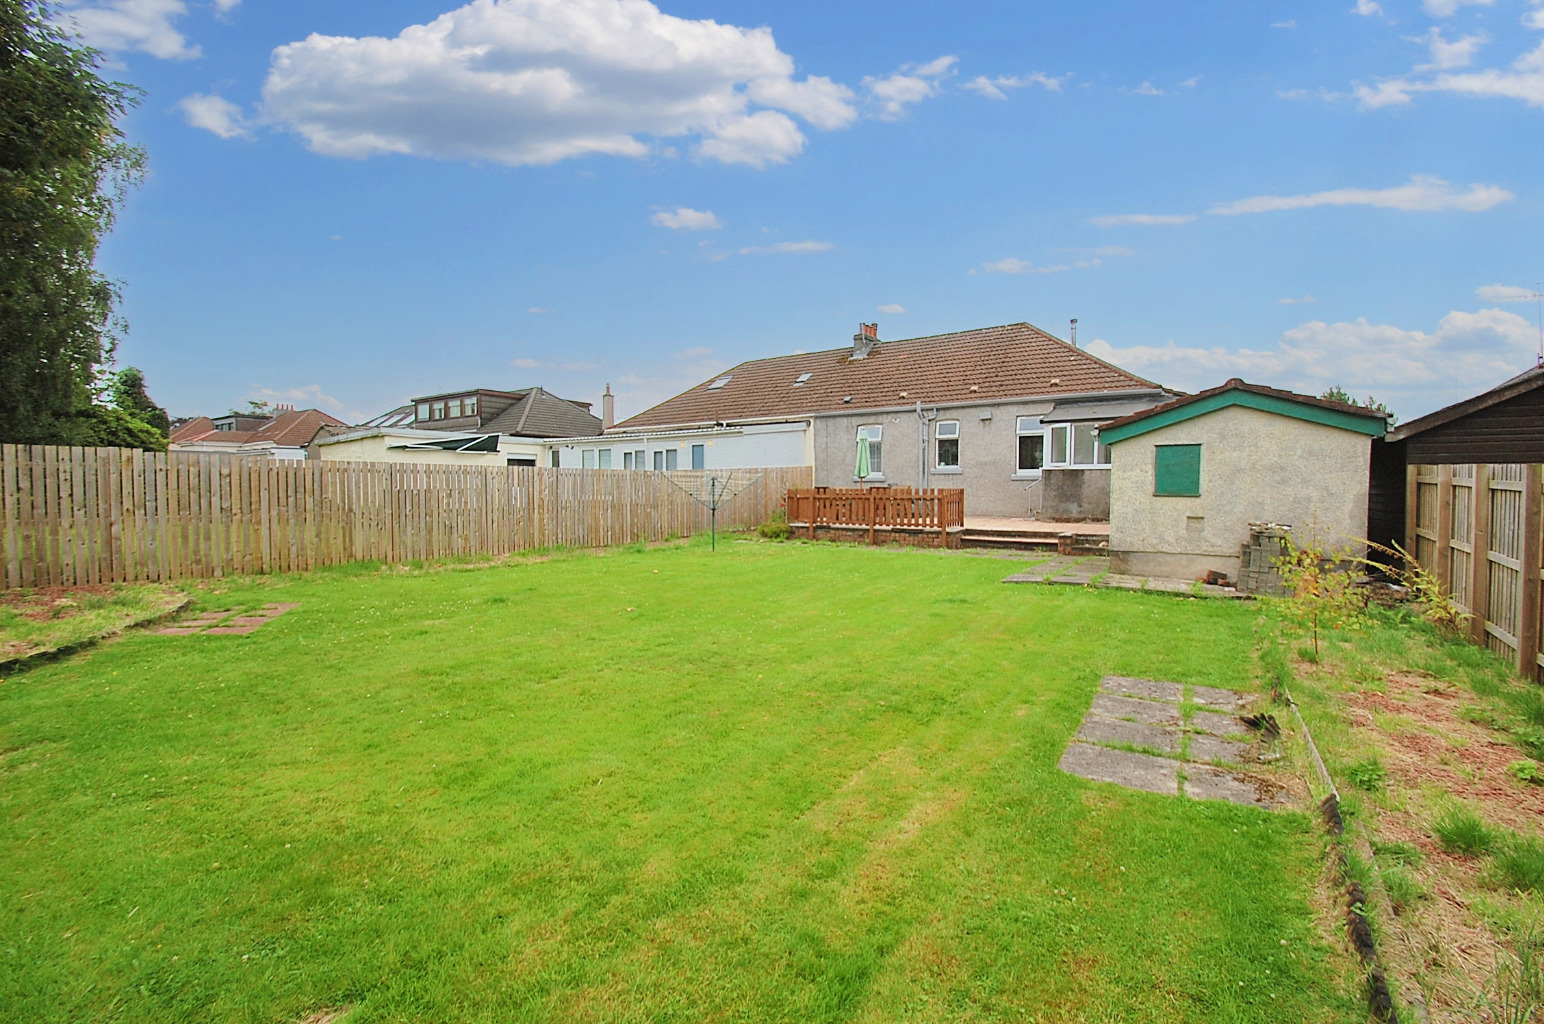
(1448, 8)
(1505, 293)
(1367, 8)
(1284, 24)
(1191, 82)
(1144, 219)
(791, 247)
(310, 396)
(1445, 55)
(893, 94)
(538, 309)
(1467, 351)
(1306, 299)
(226, 6)
(119, 25)
(1104, 251)
(537, 81)
(893, 309)
(1017, 266)
(1422, 193)
(215, 114)
(992, 88)
(524, 364)
(684, 218)
(1148, 89)
(696, 352)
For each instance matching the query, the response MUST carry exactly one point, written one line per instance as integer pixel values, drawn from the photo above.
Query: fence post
(1444, 544)
(1412, 518)
(1533, 553)
(1479, 568)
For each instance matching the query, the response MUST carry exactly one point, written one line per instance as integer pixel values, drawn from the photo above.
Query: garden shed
(1189, 478)
(1474, 505)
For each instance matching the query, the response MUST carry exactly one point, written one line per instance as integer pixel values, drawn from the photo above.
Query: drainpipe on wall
(923, 419)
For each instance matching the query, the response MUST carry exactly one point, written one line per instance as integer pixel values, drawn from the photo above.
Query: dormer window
(718, 384)
(803, 378)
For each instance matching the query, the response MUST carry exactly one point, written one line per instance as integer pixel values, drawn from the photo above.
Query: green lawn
(778, 782)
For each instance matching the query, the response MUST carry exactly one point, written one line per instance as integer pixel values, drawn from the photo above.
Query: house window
(1031, 444)
(671, 457)
(946, 434)
(1077, 444)
(627, 460)
(1177, 470)
(803, 378)
(699, 456)
(423, 411)
(588, 458)
(437, 411)
(455, 409)
(876, 462)
(638, 460)
(659, 462)
(555, 458)
(605, 458)
(716, 385)
(469, 407)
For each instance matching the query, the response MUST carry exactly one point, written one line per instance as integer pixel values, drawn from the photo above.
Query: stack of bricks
(1257, 573)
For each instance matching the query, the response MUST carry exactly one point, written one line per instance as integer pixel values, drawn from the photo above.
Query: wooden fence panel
(109, 515)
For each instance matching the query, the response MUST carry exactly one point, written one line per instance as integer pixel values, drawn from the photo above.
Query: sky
(353, 203)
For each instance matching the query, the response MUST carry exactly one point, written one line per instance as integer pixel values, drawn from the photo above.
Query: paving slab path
(1094, 571)
(1162, 737)
(226, 623)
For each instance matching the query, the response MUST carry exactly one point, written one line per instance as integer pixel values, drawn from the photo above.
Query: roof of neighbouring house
(538, 413)
(293, 429)
(1521, 384)
(1008, 362)
(1253, 396)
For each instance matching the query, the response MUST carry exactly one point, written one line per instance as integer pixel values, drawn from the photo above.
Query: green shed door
(1177, 470)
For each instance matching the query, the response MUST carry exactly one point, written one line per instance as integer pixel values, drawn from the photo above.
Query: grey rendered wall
(1076, 496)
(988, 454)
(1255, 467)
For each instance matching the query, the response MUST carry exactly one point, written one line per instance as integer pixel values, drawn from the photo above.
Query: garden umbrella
(862, 471)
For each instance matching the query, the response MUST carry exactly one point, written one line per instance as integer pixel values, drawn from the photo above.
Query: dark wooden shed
(1474, 509)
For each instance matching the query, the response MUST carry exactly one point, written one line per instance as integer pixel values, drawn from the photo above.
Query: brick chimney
(608, 410)
(864, 341)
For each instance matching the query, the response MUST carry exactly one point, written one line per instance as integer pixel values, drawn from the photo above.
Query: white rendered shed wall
(1255, 467)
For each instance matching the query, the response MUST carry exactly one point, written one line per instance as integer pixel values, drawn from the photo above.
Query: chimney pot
(864, 341)
(608, 411)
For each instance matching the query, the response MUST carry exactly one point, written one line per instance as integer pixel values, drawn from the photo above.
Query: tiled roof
(292, 429)
(1008, 362)
(539, 414)
(1238, 385)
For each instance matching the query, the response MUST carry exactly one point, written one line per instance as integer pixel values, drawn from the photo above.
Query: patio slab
(1203, 782)
(1217, 725)
(1210, 748)
(1148, 712)
(1146, 689)
(1111, 732)
(1123, 768)
(1218, 700)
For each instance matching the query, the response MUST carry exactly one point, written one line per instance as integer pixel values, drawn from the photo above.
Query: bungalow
(1189, 478)
(283, 435)
(1009, 413)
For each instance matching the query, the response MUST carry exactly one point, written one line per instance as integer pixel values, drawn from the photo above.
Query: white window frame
(423, 412)
(1030, 426)
(876, 438)
(469, 406)
(1070, 430)
(603, 458)
(587, 458)
(946, 430)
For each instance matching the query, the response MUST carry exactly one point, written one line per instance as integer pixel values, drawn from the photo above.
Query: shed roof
(1503, 425)
(1006, 362)
(1521, 384)
(1253, 396)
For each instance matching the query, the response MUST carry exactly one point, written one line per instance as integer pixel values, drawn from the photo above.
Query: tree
(1340, 394)
(128, 394)
(64, 171)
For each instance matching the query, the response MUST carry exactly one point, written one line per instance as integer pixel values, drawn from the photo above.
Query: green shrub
(776, 528)
(1402, 887)
(1461, 831)
(1532, 740)
(1519, 864)
(1368, 774)
(1527, 771)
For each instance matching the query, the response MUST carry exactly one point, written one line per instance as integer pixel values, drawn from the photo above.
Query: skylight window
(803, 377)
(716, 385)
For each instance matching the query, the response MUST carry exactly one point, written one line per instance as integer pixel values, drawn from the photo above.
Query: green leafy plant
(1436, 605)
(776, 527)
(1369, 774)
(1322, 587)
(1527, 771)
(1461, 831)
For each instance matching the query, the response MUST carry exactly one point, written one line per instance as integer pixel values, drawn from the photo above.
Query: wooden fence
(1481, 530)
(110, 515)
(878, 508)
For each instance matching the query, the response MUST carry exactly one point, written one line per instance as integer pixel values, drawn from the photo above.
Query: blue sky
(352, 203)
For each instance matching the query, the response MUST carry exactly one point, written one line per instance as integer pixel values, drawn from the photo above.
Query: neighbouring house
(1189, 478)
(284, 435)
(474, 427)
(1008, 413)
(1471, 482)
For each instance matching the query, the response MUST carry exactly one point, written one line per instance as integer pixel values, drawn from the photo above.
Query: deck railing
(877, 508)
